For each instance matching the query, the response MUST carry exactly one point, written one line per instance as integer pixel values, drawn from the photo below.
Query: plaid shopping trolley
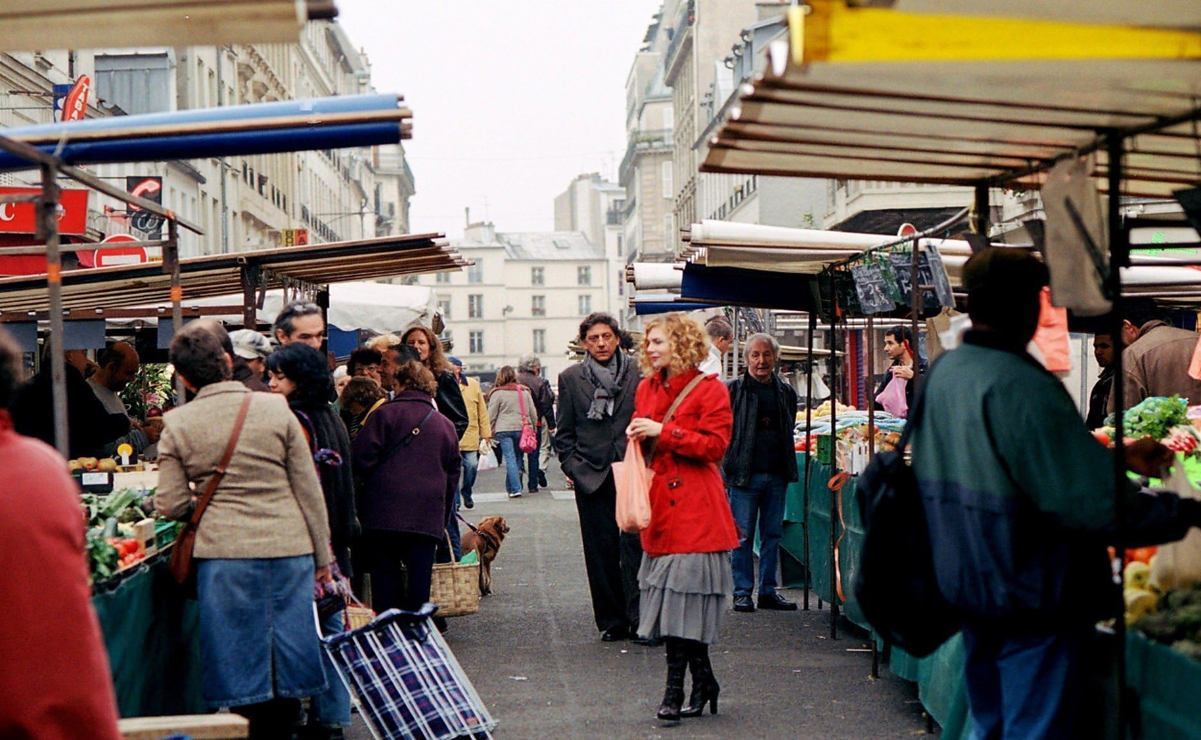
(405, 680)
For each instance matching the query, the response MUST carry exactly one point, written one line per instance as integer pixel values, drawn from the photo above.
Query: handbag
(529, 440)
(181, 555)
(893, 397)
(632, 476)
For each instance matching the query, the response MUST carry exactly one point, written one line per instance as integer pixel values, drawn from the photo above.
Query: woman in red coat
(685, 578)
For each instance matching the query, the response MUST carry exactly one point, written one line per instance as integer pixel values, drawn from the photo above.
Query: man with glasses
(596, 404)
(300, 321)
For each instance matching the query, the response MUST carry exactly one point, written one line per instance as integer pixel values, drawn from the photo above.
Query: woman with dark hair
(260, 543)
(449, 396)
(301, 374)
(508, 403)
(407, 459)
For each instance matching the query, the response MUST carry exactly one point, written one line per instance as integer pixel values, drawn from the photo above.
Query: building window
(537, 276)
(538, 305)
(585, 305)
(444, 307)
(584, 275)
(443, 278)
(539, 341)
(669, 190)
(476, 343)
(620, 247)
(475, 273)
(475, 306)
(669, 228)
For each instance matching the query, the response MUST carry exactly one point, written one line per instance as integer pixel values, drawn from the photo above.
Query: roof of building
(546, 246)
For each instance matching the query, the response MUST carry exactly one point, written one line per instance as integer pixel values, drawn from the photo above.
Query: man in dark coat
(760, 463)
(529, 374)
(596, 404)
(90, 426)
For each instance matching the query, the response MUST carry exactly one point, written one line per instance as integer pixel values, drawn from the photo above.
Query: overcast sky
(511, 100)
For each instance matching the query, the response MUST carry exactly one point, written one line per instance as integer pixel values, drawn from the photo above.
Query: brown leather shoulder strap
(671, 410)
(226, 456)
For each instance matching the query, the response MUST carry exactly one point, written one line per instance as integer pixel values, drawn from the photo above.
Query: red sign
(907, 230)
(21, 218)
(75, 105)
(119, 255)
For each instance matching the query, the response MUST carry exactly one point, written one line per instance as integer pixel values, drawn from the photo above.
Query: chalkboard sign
(874, 288)
(930, 273)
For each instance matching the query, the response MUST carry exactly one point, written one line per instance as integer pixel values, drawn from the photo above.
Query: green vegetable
(1155, 416)
(102, 557)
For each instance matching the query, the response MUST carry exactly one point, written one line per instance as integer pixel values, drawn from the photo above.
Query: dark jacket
(1157, 364)
(588, 448)
(544, 397)
(450, 403)
(910, 387)
(410, 489)
(248, 377)
(89, 425)
(327, 432)
(1098, 400)
(745, 404)
(1019, 497)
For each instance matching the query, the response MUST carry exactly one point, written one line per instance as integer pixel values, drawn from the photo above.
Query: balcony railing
(684, 20)
(645, 141)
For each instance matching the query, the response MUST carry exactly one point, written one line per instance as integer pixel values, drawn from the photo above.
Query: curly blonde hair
(686, 339)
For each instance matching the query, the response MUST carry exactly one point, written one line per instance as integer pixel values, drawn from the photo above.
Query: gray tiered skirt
(684, 595)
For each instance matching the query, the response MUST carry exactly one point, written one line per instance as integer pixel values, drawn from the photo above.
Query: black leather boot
(677, 666)
(704, 685)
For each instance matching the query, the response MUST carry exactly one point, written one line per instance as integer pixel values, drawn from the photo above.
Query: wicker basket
(358, 615)
(456, 589)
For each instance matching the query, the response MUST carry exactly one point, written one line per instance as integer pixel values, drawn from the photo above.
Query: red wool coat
(690, 511)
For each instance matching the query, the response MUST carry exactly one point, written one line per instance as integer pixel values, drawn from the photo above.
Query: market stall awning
(220, 275)
(35, 25)
(881, 94)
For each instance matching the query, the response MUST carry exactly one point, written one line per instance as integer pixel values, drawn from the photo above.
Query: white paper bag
(1178, 564)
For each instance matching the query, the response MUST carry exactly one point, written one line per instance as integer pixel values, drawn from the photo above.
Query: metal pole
(48, 227)
(980, 220)
(833, 455)
(808, 453)
(869, 388)
(736, 349)
(916, 295)
(171, 265)
(1118, 257)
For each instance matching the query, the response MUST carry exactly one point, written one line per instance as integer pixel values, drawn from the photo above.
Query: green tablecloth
(150, 632)
(1167, 685)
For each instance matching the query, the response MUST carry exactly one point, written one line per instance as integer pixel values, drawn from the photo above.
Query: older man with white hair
(760, 463)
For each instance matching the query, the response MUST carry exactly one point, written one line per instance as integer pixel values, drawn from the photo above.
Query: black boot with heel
(677, 666)
(704, 684)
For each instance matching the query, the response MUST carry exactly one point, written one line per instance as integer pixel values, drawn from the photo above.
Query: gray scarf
(608, 381)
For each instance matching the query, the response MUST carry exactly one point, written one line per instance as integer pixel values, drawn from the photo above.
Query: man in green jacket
(1019, 499)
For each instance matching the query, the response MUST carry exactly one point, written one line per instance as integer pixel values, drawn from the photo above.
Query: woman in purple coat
(407, 460)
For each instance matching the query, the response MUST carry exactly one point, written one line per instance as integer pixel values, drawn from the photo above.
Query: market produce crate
(825, 448)
(1167, 684)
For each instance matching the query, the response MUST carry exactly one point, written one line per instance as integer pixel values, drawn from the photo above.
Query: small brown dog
(485, 539)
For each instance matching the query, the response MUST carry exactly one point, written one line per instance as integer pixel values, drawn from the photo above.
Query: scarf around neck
(608, 381)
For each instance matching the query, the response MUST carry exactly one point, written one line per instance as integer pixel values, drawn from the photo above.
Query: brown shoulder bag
(181, 555)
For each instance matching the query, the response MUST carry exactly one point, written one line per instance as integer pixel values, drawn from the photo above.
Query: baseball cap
(454, 361)
(249, 344)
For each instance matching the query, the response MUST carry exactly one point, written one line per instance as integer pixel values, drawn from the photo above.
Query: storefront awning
(219, 275)
(35, 25)
(882, 94)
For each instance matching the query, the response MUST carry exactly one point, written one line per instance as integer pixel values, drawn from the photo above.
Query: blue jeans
(471, 465)
(508, 447)
(530, 465)
(762, 503)
(1024, 687)
(331, 708)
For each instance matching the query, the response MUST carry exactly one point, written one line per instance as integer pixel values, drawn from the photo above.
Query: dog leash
(470, 526)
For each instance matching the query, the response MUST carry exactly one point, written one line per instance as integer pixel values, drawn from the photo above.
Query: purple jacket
(412, 489)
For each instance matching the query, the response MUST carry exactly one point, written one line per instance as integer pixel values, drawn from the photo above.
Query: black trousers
(402, 566)
(611, 556)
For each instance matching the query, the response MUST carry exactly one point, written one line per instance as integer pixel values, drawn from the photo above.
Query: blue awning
(736, 286)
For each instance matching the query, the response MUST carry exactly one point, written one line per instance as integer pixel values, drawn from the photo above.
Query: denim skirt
(258, 637)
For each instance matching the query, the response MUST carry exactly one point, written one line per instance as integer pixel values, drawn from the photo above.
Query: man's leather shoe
(542, 480)
(651, 642)
(776, 602)
(743, 604)
(613, 634)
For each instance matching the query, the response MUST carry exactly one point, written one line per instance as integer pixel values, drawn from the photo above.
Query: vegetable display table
(151, 635)
(1167, 684)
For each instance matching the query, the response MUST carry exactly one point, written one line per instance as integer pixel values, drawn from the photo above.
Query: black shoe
(650, 642)
(614, 634)
(542, 479)
(704, 685)
(776, 602)
(468, 502)
(744, 604)
(673, 695)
